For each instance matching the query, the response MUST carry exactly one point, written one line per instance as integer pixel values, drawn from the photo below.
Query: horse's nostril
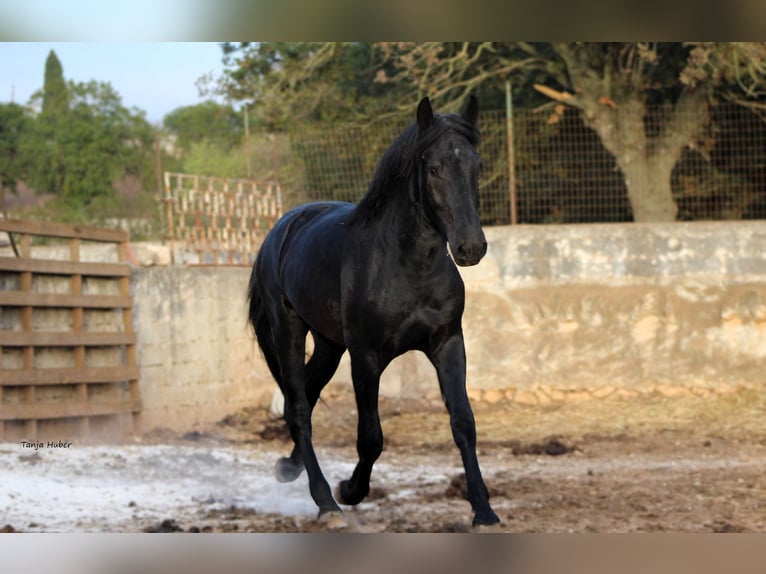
(471, 252)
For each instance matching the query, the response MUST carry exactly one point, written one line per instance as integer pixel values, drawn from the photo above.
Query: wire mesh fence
(563, 174)
(724, 176)
(551, 168)
(542, 167)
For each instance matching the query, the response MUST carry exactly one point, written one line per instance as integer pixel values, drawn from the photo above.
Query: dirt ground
(686, 464)
(681, 464)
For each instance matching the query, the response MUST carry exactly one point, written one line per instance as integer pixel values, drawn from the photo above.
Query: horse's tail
(262, 327)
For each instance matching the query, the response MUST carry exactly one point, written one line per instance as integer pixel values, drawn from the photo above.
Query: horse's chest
(400, 320)
(398, 308)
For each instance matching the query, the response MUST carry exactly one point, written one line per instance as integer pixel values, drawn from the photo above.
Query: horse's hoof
(488, 528)
(343, 496)
(286, 470)
(338, 492)
(334, 520)
(485, 519)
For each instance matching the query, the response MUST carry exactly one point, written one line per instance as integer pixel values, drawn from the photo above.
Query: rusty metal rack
(218, 221)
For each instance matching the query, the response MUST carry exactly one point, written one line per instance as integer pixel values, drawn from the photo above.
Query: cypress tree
(55, 97)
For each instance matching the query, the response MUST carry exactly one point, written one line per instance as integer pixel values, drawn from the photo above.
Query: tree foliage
(79, 141)
(78, 152)
(13, 124)
(646, 101)
(616, 86)
(206, 158)
(55, 98)
(286, 82)
(221, 125)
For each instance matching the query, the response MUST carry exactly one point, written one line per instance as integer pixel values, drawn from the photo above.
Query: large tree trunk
(647, 180)
(647, 162)
(615, 107)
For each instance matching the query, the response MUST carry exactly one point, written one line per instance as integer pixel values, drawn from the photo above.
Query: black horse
(376, 279)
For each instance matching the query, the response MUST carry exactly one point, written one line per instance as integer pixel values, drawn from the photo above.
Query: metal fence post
(509, 130)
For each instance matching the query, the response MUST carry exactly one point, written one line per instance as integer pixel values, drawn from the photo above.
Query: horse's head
(449, 178)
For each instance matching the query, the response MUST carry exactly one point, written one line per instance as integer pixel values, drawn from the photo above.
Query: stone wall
(552, 313)
(198, 359)
(574, 311)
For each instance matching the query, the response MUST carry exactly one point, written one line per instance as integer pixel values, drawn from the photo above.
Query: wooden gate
(67, 345)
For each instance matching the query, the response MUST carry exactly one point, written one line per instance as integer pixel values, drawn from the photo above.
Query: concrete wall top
(712, 252)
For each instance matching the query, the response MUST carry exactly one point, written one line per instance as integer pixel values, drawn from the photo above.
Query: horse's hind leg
(318, 372)
(290, 339)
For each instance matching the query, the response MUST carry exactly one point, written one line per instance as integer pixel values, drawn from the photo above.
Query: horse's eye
(433, 170)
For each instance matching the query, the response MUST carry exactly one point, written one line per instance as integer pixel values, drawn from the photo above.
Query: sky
(156, 77)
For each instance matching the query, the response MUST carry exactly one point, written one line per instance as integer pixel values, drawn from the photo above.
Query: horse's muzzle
(470, 252)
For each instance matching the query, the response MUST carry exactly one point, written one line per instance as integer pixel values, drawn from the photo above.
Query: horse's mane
(398, 163)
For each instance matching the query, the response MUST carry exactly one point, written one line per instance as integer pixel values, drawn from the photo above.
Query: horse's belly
(323, 315)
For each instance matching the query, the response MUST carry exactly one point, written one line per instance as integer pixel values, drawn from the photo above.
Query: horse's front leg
(448, 356)
(365, 371)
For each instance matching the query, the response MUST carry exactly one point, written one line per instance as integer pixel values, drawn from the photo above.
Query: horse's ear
(470, 111)
(425, 114)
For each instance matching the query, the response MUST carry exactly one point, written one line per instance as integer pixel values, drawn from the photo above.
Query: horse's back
(301, 258)
(302, 223)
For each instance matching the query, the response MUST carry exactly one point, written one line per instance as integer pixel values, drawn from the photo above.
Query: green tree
(91, 144)
(55, 95)
(219, 124)
(287, 82)
(45, 159)
(207, 158)
(13, 124)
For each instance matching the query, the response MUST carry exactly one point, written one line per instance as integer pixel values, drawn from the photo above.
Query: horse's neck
(407, 230)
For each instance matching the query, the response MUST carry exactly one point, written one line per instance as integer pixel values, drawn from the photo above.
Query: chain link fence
(550, 168)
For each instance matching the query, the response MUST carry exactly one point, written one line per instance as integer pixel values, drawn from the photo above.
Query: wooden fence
(67, 345)
(220, 221)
